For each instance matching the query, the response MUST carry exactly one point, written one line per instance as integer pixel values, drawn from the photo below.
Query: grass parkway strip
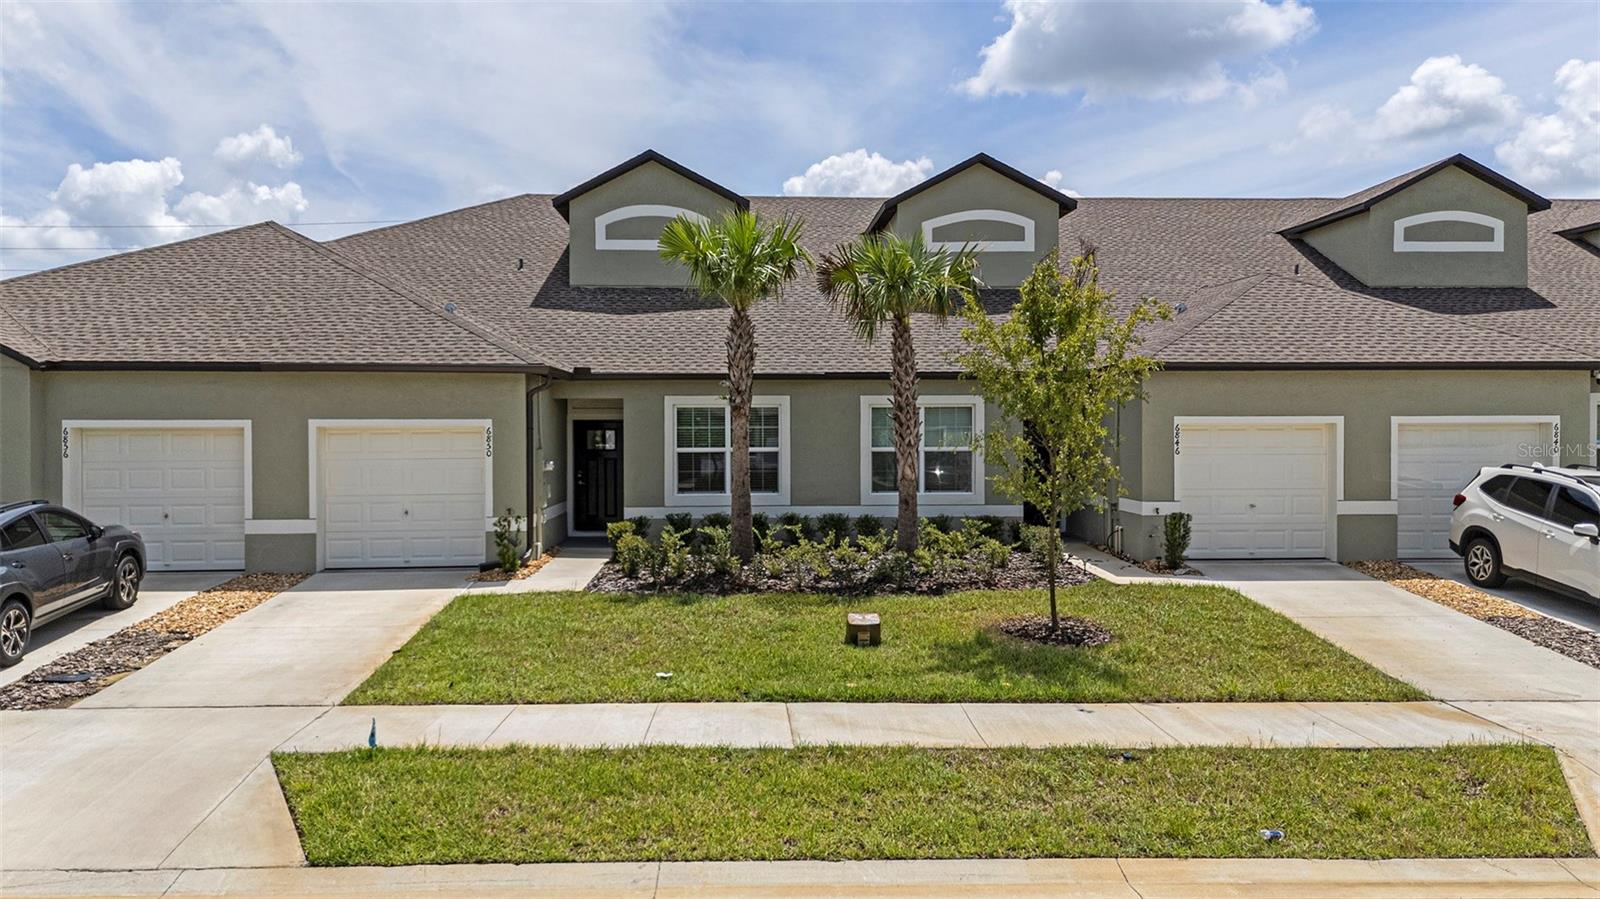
(1170, 643)
(521, 804)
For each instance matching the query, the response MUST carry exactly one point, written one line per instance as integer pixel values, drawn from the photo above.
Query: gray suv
(53, 561)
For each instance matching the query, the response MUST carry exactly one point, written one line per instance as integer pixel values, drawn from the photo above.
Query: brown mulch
(1072, 632)
(527, 569)
(109, 659)
(1573, 642)
(1020, 572)
(1156, 566)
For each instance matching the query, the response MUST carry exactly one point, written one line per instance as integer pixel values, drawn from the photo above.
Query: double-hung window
(948, 470)
(699, 448)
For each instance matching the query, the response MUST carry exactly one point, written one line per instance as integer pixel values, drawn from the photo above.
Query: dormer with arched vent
(1455, 223)
(1008, 217)
(615, 218)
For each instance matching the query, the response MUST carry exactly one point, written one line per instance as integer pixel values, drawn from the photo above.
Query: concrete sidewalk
(1088, 877)
(785, 725)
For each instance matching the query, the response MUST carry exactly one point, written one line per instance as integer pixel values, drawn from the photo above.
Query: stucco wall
(279, 406)
(979, 187)
(1366, 401)
(1363, 244)
(649, 184)
(19, 429)
(825, 436)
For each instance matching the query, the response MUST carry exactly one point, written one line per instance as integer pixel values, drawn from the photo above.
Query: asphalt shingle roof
(256, 296)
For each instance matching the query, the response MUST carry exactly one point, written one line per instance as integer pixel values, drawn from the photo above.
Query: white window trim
(642, 211)
(1495, 244)
(71, 496)
(1025, 245)
(1334, 422)
(669, 442)
(1396, 423)
(315, 427)
(969, 498)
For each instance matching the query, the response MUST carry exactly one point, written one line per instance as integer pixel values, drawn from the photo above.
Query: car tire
(125, 578)
(1482, 561)
(16, 627)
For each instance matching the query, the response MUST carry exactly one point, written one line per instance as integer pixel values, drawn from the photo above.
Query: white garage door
(395, 497)
(182, 489)
(1433, 461)
(1257, 491)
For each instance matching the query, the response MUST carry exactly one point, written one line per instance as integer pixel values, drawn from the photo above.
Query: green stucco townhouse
(255, 399)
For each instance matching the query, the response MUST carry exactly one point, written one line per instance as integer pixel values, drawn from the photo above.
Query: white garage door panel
(398, 497)
(1257, 490)
(182, 489)
(1434, 461)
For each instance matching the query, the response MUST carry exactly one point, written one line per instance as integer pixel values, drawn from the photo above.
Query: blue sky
(170, 118)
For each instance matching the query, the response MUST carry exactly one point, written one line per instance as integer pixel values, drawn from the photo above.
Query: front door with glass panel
(596, 474)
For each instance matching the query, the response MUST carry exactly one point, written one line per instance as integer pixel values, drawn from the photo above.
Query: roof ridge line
(50, 350)
(1199, 320)
(419, 298)
(429, 218)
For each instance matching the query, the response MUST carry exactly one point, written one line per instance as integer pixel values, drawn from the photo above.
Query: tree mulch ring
(1072, 632)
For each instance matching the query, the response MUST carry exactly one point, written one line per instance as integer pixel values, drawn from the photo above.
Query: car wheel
(16, 625)
(1482, 560)
(124, 584)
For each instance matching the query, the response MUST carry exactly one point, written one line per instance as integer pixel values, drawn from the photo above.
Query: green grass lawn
(523, 804)
(1171, 643)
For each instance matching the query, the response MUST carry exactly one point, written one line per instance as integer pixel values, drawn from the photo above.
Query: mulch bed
(1020, 572)
(1072, 632)
(112, 658)
(500, 575)
(1558, 636)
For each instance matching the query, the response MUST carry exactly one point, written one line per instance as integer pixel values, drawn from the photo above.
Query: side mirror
(96, 532)
(1587, 529)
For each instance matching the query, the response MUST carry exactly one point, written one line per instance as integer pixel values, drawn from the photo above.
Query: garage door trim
(315, 427)
(1396, 422)
(71, 496)
(1334, 422)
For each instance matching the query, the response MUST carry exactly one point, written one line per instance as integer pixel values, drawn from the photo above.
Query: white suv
(1531, 522)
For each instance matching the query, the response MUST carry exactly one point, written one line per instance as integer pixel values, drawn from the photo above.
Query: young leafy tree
(741, 260)
(883, 279)
(1060, 365)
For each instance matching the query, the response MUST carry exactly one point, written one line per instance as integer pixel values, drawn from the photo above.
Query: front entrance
(596, 474)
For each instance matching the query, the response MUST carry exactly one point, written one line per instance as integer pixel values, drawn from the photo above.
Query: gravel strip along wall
(1558, 636)
(109, 659)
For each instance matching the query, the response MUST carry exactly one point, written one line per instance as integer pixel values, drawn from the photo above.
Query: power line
(286, 224)
(68, 249)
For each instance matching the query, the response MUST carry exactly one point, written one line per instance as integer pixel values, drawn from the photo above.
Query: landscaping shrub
(834, 527)
(634, 553)
(798, 526)
(713, 555)
(718, 520)
(616, 530)
(944, 524)
(1036, 542)
(1175, 539)
(761, 523)
(681, 522)
(507, 545)
(641, 525)
(992, 526)
(868, 526)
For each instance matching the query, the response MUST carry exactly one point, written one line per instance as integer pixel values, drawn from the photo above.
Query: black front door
(596, 474)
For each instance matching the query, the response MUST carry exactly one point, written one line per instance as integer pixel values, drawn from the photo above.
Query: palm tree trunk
(741, 374)
(907, 431)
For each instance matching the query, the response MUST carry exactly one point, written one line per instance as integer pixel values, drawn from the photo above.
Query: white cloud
(129, 192)
(858, 174)
(1446, 96)
(250, 202)
(1054, 178)
(1153, 50)
(1444, 100)
(262, 145)
(1561, 150)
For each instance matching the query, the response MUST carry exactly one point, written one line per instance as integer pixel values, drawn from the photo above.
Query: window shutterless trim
(669, 443)
(941, 498)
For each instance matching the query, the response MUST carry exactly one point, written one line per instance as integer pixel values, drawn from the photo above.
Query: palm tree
(740, 260)
(883, 279)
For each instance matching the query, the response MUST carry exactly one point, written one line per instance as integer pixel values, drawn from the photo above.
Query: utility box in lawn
(862, 629)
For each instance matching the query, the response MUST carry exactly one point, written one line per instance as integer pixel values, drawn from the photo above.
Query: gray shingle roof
(256, 296)
(1178, 250)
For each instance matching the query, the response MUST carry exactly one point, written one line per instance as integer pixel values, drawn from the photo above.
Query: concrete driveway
(160, 590)
(1447, 654)
(169, 765)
